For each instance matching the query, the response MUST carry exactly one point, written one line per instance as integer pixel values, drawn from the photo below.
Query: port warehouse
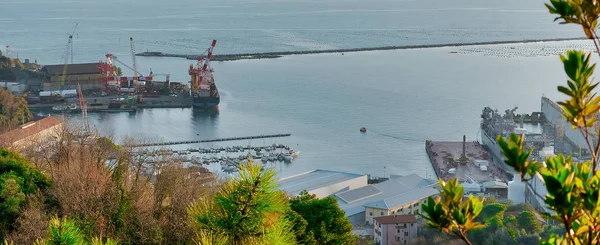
(88, 75)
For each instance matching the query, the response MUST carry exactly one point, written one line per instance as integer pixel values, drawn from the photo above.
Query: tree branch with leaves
(573, 188)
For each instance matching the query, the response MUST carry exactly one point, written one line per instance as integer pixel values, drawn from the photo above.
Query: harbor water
(402, 97)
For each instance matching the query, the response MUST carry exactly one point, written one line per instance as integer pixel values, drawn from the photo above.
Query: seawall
(273, 55)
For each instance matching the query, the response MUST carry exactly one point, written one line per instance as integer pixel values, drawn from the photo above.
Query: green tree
(63, 232)
(326, 220)
(17, 180)
(247, 210)
(450, 213)
(573, 188)
(528, 221)
(491, 210)
(66, 232)
(300, 227)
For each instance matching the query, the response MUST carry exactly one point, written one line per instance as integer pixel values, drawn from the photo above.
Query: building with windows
(398, 195)
(495, 189)
(395, 229)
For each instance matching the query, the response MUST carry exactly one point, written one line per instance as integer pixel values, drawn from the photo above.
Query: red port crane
(198, 73)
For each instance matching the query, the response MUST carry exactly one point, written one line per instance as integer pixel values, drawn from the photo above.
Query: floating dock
(446, 155)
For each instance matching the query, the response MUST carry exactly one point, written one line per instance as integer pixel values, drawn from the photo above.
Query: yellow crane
(68, 52)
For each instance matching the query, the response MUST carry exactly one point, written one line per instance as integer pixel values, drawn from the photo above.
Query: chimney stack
(464, 152)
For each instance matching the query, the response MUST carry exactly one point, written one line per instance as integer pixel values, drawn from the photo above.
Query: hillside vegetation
(13, 111)
(15, 70)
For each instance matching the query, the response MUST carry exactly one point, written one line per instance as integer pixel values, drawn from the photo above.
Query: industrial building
(88, 75)
(495, 189)
(321, 183)
(36, 132)
(399, 195)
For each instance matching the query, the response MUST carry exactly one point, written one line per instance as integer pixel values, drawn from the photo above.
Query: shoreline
(275, 55)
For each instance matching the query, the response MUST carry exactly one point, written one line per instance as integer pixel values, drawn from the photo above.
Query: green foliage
(529, 222)
(516, 156)
(491, 210)
(63, 232)
(329, 224)
(573, 188)
(520, 207)
(66, 232)
(582, 12)
(106, 142)
(582, 104)
(300, 227)
(450, 213)
(247, 210)
(573, 192)
(17, 180)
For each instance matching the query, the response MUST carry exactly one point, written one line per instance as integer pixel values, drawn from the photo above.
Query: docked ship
(204, 91)
(494, 124)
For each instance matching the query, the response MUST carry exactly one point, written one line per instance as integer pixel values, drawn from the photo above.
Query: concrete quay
(100, 103)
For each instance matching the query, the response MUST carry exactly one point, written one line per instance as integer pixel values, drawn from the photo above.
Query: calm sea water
(403, 97)
(39, 29)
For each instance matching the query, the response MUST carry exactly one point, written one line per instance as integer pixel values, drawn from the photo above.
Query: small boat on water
(64, 107)
(294, 154)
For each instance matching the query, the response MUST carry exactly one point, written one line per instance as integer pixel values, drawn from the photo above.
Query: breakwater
(273, 55)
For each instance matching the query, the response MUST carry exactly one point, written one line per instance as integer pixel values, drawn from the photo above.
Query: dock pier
(211, 140)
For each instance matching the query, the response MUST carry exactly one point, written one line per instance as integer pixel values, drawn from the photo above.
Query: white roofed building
(399, 195)
(321, 183)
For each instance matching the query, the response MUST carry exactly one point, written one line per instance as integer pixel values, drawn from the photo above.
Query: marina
(210, 140)
(228, 157)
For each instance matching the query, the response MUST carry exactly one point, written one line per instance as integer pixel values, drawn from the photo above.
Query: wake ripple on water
(394, 137)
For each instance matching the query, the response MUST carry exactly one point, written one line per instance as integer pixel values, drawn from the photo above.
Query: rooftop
(495, 185)
(394, 219)
(28, 129)
(73, 69)
(387, 195)
(313, 180)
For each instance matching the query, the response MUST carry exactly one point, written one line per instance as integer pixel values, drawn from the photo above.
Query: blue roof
(313, 180)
